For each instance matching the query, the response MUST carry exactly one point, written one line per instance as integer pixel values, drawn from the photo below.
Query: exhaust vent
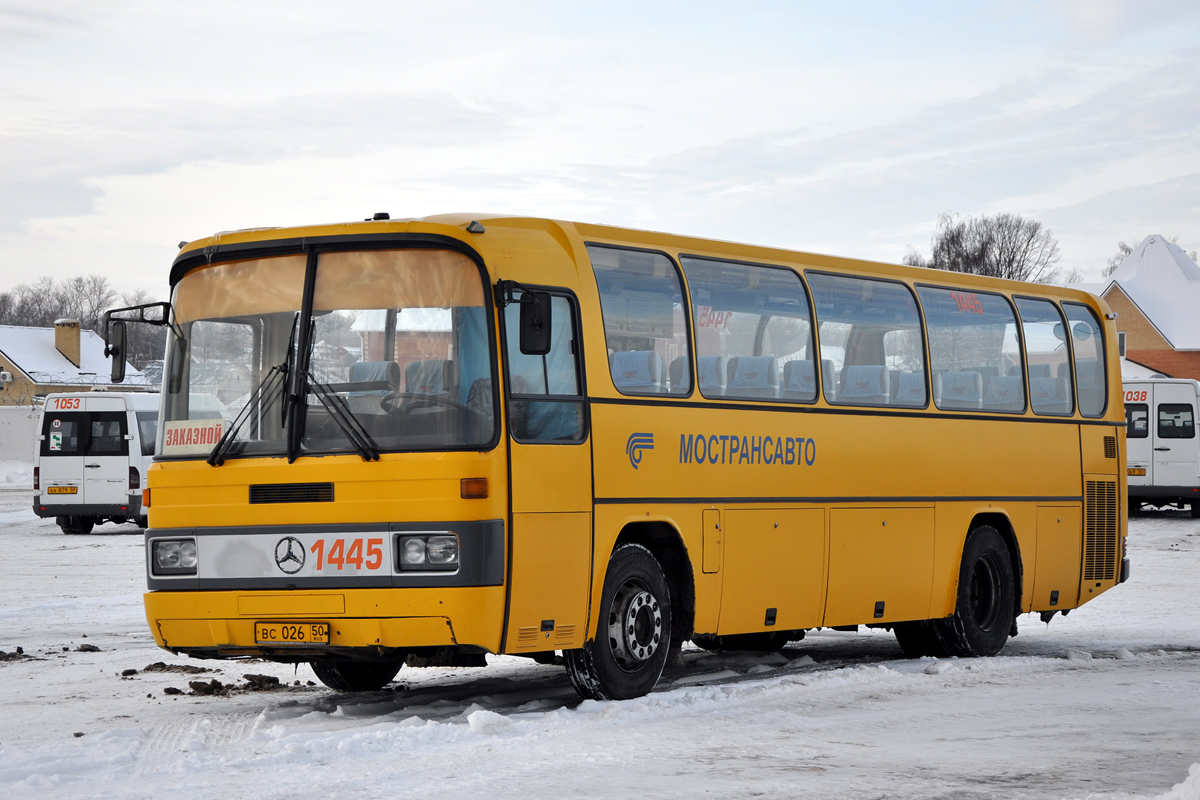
(1100, 531)
(1110, 447)
(291, 493)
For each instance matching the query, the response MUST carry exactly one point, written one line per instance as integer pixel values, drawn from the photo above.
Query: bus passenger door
(550, 467)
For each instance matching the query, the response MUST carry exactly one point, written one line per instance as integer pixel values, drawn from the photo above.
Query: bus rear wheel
(629, 652)
(986, 607)
(356, 676)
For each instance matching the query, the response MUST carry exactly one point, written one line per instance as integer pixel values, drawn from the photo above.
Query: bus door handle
(92, 466)
(1162, 448)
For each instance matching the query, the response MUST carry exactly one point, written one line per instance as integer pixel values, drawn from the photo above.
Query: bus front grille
(291, 493)
(1100, 531)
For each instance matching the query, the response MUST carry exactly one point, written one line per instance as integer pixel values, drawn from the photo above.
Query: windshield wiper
(271, 387)
(340, 413)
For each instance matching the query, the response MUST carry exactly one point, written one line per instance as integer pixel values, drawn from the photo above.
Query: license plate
(291, 633)
(1136, 470)
(62, 490)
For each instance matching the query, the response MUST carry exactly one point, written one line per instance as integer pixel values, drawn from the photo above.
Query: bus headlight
(429, 552)
(442, 550)
(175, 556)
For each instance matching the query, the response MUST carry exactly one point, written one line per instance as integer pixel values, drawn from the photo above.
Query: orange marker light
(145, 498)
(474, 488)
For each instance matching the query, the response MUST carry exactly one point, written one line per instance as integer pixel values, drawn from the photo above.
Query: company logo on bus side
(636, 444)
(709, 449)
(784, 451)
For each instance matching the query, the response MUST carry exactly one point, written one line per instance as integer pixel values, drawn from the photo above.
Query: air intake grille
(291, 493)
(1100, 532)
(1110, 447)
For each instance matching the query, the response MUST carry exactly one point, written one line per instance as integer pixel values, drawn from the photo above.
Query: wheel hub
(985, 594)
(634, 626)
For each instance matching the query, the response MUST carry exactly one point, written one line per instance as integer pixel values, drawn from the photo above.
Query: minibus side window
(1175, 421)
(1137, 420)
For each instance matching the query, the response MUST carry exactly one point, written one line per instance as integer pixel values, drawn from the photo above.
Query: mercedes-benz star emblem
(289, 555)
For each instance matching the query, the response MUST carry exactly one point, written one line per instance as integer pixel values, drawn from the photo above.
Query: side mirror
(115, 348)
(535, 323)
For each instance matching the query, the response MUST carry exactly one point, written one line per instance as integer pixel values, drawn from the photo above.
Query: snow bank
(16, 474)
(1189, 789)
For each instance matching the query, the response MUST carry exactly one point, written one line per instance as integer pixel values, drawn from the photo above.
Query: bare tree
(99, 297)
(1000, 246)
(39, 304)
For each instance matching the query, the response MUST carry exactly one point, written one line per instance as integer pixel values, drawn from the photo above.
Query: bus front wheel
(630, 649)
(356, 676)
(986, 607)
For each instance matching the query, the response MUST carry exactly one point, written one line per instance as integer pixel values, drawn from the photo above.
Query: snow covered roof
(1160, 279)
(32, 350)
(1132, 370)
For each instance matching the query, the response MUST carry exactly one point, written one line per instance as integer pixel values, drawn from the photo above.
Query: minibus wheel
(986, 607)
(75, 525)
(356, 676)
(630, 649)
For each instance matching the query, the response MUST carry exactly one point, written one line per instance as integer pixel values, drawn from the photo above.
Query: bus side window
(1047, 354)
(1087, 341)
(545, 390)
(871, 333)
(974, 350)
(641, 299)
(753, 333)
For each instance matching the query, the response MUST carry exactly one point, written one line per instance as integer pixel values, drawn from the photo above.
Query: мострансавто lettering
(730, 449)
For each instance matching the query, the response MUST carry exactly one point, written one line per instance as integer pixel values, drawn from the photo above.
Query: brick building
(37, 361)
(1156, 294)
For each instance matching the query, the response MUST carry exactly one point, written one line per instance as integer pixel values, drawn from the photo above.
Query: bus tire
(919, 639)
(1195, 510)
(356, 676)
(986, 607)
(763, 642)
(632, 642)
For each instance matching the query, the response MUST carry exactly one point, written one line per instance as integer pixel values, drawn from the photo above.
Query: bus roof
(455, 226)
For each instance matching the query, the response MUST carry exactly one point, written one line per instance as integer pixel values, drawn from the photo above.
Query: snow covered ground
(1102, 704)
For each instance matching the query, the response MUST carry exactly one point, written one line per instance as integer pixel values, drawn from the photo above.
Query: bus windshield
(395, 356)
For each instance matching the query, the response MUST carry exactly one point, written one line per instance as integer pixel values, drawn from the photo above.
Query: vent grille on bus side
(291, 493)
(1110, 447)
(1100, 531)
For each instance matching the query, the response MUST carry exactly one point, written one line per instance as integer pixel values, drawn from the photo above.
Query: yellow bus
(454, 436)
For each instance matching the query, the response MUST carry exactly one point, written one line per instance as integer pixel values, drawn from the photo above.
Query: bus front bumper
(361, 622)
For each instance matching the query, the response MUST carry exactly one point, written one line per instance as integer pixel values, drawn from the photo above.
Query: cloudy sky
(846, 128)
